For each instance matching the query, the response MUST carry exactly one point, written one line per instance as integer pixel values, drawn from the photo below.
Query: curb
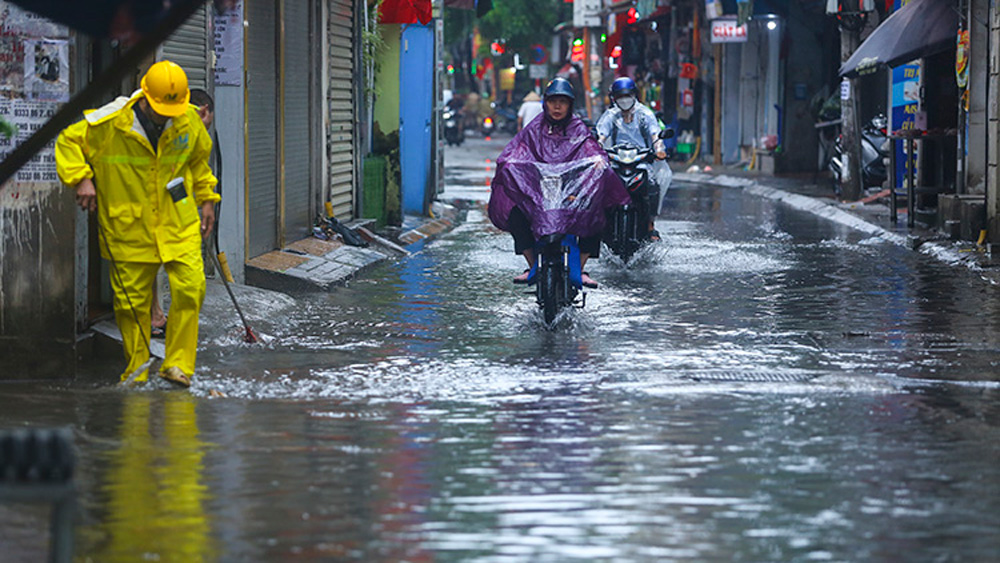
(444, 217)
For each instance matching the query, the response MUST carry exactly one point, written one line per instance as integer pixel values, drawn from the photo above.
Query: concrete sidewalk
(313, 264)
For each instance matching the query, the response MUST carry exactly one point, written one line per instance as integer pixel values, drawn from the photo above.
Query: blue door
(416, 93)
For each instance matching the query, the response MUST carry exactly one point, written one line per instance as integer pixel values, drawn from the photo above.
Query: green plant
(372, 45)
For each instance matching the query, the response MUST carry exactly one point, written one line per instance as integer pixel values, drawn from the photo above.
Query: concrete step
(310, 264)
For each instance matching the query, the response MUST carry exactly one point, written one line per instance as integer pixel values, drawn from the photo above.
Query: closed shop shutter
(299, 114)
(262, 131)
(341, 139)
(189, 47)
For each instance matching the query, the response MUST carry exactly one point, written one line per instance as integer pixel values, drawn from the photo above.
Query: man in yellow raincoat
(142, 163)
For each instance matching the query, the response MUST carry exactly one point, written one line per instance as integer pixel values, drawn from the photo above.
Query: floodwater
(761, 386)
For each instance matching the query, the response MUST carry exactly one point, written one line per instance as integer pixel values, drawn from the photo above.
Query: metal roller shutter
(341, 106)
(262, 132)
(298, 84)
(189, 47)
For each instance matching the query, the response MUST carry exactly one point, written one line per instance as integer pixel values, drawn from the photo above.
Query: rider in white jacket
(629, 121)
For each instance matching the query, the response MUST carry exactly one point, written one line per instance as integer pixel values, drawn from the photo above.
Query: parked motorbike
(557, 276)
(873, 137)
(453, 134)
(627, 228)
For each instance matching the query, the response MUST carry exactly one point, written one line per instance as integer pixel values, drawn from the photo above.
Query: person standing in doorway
(142, 163)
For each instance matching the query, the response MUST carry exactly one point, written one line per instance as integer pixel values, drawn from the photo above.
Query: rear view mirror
(667, 133)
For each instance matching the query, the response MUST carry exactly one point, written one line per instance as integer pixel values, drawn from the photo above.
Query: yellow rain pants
(187, 292)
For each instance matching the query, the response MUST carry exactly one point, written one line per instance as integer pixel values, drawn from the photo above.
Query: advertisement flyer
(28, 116)
(46, 70)
(228, 34)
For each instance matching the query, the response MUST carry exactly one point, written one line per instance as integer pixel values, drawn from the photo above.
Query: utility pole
(586, 72)
(993, 132)
(850, 175)
(717, 117)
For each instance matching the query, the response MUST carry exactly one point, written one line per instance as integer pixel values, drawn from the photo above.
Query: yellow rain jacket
(140, 219)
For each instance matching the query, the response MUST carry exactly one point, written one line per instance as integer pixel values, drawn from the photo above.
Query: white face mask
(625, 102)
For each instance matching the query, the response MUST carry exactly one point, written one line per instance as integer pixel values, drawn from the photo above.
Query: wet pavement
(764, 385)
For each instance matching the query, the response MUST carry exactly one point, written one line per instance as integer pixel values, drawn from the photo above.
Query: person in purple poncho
(553, 177)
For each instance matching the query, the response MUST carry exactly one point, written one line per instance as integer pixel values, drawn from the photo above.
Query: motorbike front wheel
(549, 292)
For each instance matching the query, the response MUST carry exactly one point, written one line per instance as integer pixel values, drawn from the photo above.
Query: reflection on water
(762, 386)
(152, 490)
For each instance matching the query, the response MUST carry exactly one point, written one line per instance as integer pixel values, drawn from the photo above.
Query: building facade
(286, 80)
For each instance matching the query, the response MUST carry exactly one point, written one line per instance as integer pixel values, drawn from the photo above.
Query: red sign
(726, 31)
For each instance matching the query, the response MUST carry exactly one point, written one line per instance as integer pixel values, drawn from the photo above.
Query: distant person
(531, 107)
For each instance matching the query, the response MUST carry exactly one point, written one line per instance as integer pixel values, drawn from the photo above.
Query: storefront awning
(918, 29)
(405, 11)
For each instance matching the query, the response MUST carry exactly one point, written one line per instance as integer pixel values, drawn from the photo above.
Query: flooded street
(763, 385)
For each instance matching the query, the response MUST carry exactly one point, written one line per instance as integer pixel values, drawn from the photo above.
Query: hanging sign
(507, 76)
(727, 31)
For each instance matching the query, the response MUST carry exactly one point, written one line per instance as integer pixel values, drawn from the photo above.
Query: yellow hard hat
(166, 88)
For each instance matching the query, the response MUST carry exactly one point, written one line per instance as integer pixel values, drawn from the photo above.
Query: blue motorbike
(557, 275)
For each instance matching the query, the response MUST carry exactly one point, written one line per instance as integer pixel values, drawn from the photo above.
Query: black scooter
(873, 171)
(627, 228)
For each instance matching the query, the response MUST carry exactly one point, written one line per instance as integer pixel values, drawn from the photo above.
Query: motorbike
(505, 118)
(487, 127)
(873, 137)
(557, 276)
(452, 127)
(627, 228)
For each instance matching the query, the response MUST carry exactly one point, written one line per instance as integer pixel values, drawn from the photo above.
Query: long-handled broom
(249, 336)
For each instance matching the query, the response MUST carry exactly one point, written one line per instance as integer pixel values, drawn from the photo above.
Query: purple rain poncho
(562, 182)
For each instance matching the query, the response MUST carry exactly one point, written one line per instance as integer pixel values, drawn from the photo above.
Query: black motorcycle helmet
(559, 86)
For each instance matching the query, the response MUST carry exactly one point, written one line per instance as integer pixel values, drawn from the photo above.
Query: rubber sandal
(174, 375)
(587, 281)
(158, 331)
(523, 278)
(654, 236)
